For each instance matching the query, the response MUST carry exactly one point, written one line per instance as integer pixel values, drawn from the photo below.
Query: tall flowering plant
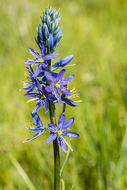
(47, 88)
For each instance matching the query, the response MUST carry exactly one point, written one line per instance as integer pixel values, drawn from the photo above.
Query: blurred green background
(95, 31)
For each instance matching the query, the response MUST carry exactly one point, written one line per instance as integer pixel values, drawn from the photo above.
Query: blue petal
(36, 129)
(43, 50)
(30, 62)
(60, 75)
(72, 134)
(49, 76)
(51, 97)
(38, 71)
(69, 79)
(69, 102)
(64, 108)
(37, 107)
(58, 96)
(38, 85)
(52, 137)
(63, 62)
(50, 56)
(68, 123)
(34, 137)
(37, 120)
(61, 121)
(35, 54)
(57, 35)
(49, 88)
(61, 143)
(31, 95)
(29, 86)
(57, 44)
(52, 127)
(66, 92)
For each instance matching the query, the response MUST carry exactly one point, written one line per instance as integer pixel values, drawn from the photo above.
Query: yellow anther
(73, 90)
(25, 74)
(40, 60)
(57, 85)
(43, 96)
(59, 132)
(24, 84)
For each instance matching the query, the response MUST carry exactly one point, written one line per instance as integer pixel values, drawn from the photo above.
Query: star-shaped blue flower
(58, 84)
(62, 131)
(40, 60)
(41, 97)
(33, 82)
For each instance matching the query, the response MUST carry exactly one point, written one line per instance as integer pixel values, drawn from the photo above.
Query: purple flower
(58, 84)
(41, 97)
(62, 131)
(33, 81)
(40, 58)
(39, 129)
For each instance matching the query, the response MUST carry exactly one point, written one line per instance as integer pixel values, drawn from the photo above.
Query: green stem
(56, 150)
(55, 144)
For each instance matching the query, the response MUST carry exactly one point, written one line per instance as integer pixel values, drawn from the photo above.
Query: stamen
(70, 65)
(59, 132)
(31, 100)
(40, 60)
(25, 74)
(69, 146)
(73, 90)
(79, 101)
(43, 96)
(24, 84)
(73, 96)
(57, 85)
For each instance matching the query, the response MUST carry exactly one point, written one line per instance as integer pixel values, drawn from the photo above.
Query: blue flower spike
(47, 87)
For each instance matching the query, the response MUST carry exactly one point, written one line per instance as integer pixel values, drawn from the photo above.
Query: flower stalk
(55, 149)
(47, 88)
